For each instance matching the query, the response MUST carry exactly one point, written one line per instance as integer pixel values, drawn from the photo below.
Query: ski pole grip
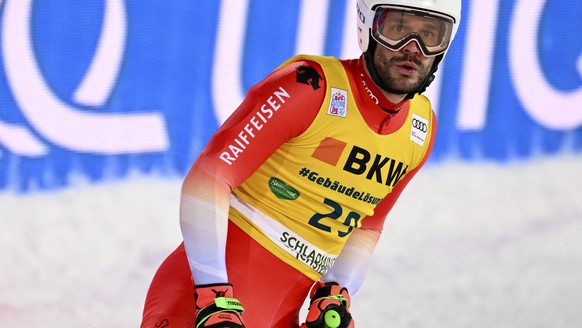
(331, 319)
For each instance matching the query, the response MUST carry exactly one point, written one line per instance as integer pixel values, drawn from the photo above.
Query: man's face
(403, 70)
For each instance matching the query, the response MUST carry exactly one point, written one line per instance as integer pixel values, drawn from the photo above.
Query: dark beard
(391, 83)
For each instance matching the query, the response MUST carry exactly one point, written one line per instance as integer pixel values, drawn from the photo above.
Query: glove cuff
(330, 290)
(205, 295)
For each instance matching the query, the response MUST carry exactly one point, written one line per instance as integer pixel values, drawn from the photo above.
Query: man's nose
(412, 47)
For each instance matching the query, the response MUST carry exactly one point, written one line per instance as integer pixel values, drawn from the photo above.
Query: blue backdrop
(99, 89)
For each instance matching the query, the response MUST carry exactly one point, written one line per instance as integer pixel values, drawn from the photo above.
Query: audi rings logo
(418, 129)
(420, 125)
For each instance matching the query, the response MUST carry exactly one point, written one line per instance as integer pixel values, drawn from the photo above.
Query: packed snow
(467, 245)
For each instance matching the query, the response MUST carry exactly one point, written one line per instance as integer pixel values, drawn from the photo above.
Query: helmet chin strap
(371, 66)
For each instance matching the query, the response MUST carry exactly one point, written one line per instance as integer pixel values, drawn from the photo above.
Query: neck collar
(367, 85)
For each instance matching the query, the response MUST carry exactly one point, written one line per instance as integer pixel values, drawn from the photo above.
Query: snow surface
(468, 245)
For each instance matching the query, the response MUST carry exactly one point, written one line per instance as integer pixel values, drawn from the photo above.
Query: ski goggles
(395, 27)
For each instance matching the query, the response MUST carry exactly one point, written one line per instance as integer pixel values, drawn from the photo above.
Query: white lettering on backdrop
(59, 122)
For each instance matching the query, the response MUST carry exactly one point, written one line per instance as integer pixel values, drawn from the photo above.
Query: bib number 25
(351, 219)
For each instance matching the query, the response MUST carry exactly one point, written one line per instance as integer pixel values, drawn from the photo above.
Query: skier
(289, 197)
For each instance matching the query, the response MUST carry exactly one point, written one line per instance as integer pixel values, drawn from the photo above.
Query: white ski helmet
(370, 11)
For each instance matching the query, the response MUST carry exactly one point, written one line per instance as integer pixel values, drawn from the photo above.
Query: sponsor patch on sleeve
(419, 129)
(338, 106)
